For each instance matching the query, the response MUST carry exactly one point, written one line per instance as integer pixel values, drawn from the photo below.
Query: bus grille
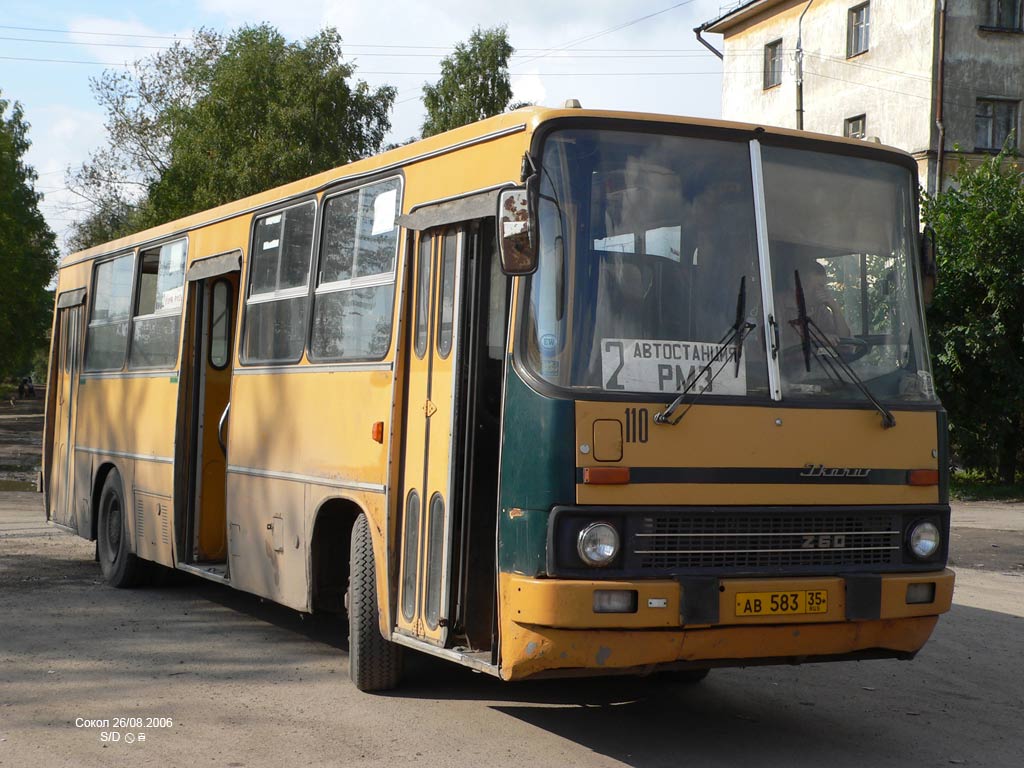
(765, 540)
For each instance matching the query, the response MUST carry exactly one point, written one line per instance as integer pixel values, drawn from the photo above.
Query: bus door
(213, 308)
(429, 483)
(69, 329)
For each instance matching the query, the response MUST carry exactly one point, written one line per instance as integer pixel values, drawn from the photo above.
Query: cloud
(529, 87)
(61, 137)
(294, 19)
(605, 72)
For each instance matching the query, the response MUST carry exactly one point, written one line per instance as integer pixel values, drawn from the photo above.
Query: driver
(822, 307)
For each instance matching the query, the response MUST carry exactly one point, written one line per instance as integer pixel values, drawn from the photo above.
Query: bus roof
(526, 119)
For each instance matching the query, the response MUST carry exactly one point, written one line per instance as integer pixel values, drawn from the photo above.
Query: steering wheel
(852, 348)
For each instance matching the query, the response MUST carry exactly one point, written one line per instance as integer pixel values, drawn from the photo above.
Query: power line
(610, 30)
(576, 53)
(78, 42)
(585, 39)
(63, 61)
(876, 87)
(567, 74)
(100, 34)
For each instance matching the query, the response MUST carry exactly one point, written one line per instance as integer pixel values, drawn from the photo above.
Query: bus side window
(220, 324)
(497, 321)
(423, 296)
(106, 341)
(156, 325)
(355, 292)
(275, 324)
(446, 302)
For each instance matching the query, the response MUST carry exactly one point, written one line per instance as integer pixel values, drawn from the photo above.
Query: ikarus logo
(820, 470)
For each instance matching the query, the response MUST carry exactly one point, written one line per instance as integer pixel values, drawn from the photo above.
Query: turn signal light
(923, 477)
(606, 475)
(377, 433)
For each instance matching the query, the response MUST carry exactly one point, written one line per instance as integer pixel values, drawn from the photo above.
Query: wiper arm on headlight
(736, 335)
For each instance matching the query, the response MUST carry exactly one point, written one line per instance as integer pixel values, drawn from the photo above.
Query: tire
(685, 676)
(374, 664)
(120, 566)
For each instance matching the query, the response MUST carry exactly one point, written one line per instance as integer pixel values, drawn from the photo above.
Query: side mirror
(929, 265)
(517, 235)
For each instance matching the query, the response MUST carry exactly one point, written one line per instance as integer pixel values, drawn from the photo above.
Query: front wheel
(374, 664)
(120, 566)
(685, 676)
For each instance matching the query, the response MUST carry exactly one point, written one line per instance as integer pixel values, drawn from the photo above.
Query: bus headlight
(598, 544)
(924, 539)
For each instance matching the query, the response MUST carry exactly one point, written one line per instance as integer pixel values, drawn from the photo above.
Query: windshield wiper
(834, 360)
(736, 335)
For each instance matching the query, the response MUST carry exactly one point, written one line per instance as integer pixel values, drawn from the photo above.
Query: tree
(474, 83)
(220, 118)
(28, 251)
(977, 316)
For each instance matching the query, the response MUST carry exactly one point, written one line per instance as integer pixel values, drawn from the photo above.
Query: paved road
(247, 683)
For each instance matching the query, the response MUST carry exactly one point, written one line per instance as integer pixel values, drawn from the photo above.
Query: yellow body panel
(716, 436)
(549, 625)
(129, 414)
(316, 424)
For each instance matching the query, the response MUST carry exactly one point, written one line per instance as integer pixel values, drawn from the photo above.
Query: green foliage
(973, 485)
(28, 251)
(474, 83)
(220, 118)
(977, 317)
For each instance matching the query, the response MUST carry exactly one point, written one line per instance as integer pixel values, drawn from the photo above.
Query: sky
(603, 52)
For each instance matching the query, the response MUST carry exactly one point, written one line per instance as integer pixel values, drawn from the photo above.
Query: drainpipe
(800, 69)
(941, 151)
(705, 43)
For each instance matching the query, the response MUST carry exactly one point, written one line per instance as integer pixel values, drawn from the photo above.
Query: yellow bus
(561, 392)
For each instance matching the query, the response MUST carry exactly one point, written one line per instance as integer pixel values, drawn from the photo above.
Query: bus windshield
(647, 242)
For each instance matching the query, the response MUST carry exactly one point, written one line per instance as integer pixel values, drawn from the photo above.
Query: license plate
(782, 603)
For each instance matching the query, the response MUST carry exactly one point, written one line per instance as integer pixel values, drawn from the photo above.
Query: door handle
(220, 429)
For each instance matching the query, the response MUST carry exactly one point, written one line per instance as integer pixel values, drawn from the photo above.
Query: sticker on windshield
(645, 365)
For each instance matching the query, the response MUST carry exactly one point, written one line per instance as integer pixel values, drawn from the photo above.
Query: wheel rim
(114, 527)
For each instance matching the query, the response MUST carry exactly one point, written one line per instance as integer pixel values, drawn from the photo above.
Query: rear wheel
(120, 566)
(375, 664)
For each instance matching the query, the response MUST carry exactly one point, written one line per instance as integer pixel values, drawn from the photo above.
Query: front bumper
(550, 626)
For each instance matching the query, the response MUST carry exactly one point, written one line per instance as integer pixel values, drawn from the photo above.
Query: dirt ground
(21, 441)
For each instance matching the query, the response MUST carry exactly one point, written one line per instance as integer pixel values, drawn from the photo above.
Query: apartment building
(927, 76)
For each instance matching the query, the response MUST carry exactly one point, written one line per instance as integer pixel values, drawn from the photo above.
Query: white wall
(890, 83)
(979, 64)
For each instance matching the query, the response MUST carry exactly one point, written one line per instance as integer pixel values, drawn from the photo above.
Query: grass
(968, 485)
(16, 485)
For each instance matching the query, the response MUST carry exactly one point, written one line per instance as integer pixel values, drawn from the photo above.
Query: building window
(859, 27)
(994, 122)
(854, 127)
(1003, 14)
(773, 64)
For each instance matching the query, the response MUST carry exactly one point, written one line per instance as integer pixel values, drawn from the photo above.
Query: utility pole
(800, 69)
